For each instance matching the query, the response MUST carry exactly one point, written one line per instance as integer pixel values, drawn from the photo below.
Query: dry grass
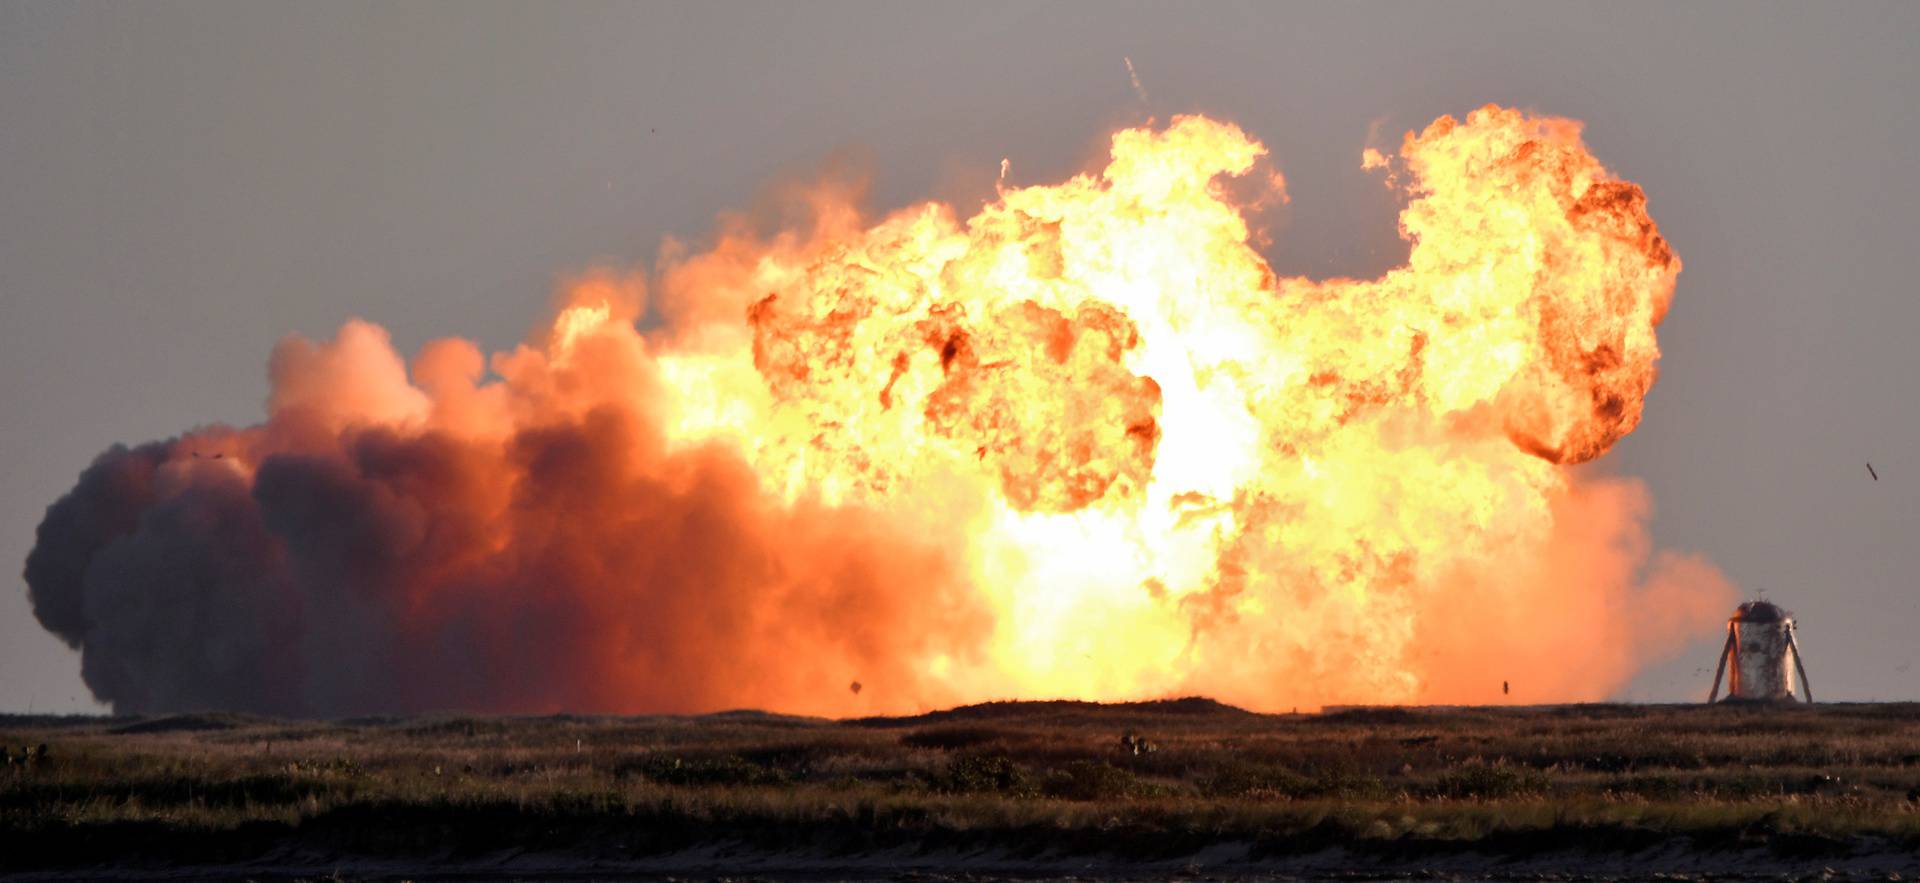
(1022, 778)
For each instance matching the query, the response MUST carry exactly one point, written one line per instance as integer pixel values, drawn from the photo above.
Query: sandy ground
(1223, 862)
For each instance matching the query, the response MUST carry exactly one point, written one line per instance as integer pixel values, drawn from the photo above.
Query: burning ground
(1084, 442)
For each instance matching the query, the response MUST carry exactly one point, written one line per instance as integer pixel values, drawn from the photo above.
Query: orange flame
(1171, 470)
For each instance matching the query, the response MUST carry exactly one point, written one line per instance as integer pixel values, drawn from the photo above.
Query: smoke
(373, 547)
(1084, 443)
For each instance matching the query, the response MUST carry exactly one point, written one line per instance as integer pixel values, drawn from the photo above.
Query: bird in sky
(1876, 475)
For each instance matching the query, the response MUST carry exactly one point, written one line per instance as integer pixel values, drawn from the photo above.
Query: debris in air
(1134, 77)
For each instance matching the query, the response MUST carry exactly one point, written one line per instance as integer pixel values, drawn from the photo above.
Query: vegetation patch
(1139, 781)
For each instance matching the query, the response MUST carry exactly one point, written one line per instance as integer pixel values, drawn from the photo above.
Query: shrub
(1254, 780)
(667, 769)
(1483, 782)
(983, 774)
(1093, 780)
(951, 738)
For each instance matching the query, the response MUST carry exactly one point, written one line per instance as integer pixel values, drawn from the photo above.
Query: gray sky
(182, 183)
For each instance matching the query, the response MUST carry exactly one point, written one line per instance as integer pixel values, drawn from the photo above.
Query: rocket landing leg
(1726, 653)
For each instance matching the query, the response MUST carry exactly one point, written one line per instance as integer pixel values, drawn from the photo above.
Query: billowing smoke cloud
(1084, 443)
(329, 563)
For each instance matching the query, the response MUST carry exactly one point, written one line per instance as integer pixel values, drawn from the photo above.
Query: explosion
(1084, 443)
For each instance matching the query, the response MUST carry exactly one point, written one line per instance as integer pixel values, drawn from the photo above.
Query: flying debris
(1133, 77)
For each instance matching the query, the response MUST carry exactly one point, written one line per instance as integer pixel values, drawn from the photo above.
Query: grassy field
(1144, 782)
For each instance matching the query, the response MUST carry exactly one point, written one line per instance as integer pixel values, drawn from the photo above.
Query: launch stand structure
(1759, 641)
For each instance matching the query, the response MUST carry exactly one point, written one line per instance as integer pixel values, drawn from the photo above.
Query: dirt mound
(1188, 707)
(188, 723)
